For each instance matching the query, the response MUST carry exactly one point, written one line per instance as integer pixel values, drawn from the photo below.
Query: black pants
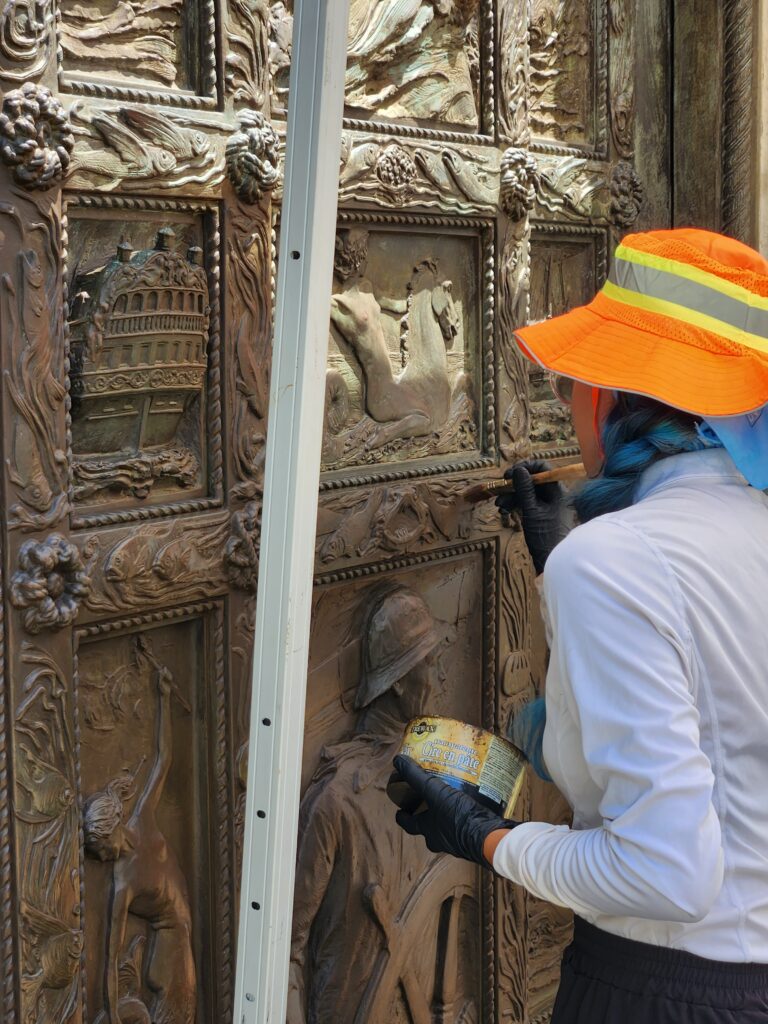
(610, 980)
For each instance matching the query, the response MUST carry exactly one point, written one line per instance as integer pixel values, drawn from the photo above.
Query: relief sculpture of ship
(139, 334)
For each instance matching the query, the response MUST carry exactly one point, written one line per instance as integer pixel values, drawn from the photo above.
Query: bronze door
(136, 254)
(487, 169)
(493, 151)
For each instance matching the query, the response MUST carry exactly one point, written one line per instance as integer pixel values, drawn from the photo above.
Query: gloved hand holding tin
(449, 820)
(455, 784)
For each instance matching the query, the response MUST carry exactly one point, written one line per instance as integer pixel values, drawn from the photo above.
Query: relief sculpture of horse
(416, 401)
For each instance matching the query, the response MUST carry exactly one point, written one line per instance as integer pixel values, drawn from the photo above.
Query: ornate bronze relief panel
(425, 66)
(154, 777)
(144, 328)
(113, 48)
(419, 64)
(118, 812)
(406, 369)
(424, 386)
(568, 73)
(394, 929)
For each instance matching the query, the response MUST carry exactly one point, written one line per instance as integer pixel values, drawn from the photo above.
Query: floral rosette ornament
(36, 139)
(396, 171)
(517, 189)
(49, 584)
(627, 195)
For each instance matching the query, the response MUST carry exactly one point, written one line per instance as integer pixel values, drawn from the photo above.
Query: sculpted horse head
(425, 275)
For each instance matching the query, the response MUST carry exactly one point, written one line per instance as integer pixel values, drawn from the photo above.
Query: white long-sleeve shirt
(657, 717)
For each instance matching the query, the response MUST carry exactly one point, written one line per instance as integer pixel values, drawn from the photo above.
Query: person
(656, 698)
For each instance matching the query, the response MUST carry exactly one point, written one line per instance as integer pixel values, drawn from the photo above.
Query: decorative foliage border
(80, 830)
(599, 149)
(543, 1018)
(209, 99)
(485, 228)
(221, 760)
(738, 132)
(214, 427)
(7, 909)
(489, 549)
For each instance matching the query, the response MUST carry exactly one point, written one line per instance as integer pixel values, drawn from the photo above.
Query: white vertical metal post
(315, 104)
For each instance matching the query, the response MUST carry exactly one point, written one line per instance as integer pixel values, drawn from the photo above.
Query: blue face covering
(745, 438)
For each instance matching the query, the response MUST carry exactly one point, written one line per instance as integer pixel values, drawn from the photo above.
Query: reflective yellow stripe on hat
(690, 295)
(691, 273)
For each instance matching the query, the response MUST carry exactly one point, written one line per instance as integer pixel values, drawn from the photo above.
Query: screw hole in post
(261, 814)
(255, 905)
(266, 721)
(295, 255)
(250, 997)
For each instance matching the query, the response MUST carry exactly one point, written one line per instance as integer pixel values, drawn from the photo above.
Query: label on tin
(500, 772)
(491, 765)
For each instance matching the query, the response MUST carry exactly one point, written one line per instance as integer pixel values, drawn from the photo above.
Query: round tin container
(487, 767)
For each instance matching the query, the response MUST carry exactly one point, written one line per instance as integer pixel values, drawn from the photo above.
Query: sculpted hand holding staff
(655, 721)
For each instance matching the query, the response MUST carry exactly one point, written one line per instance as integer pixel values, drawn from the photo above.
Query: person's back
(712, 531)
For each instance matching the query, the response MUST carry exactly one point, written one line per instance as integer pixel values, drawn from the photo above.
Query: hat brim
(703, 376)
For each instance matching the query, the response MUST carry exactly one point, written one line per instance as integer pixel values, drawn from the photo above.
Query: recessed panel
(152, 803)
(407, 63)
(383, 930)
(415, 62)
(152, 43)
(565, 269)
(404, 379)
(566, 84)
(141, 321)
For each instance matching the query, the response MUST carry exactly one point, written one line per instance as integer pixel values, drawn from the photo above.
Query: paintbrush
(492, 488)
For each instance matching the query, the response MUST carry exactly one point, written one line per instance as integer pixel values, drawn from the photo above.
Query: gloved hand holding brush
(542, 509)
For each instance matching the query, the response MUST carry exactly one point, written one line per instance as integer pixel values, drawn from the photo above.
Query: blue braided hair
(637, 432)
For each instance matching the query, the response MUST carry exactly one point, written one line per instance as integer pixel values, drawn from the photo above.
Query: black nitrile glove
(452, 822)
(542, 509)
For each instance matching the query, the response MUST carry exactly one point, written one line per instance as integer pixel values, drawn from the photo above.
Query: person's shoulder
(610, 544)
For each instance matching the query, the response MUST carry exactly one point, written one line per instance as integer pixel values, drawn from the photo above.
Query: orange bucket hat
(683, 318)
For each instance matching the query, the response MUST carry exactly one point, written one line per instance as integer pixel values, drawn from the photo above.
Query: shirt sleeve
(621, 653)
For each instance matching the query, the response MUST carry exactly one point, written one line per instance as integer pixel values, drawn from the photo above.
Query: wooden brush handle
(492, 488)
(573, 471)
